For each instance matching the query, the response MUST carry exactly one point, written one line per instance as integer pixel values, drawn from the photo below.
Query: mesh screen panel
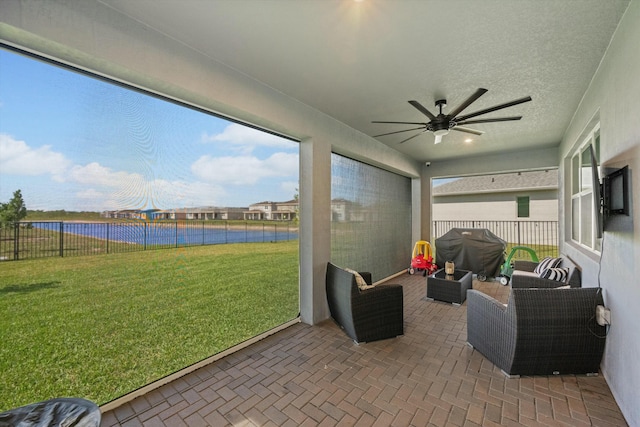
(370, 218)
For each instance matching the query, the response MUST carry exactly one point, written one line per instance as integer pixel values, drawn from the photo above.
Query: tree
(296, 197)
(13, 211)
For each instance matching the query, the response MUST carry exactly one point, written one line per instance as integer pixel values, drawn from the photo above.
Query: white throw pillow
(362, 284)
(547, 262)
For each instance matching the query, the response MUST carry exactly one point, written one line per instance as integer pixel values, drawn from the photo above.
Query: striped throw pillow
(558, 274)
(362, 284)
(547, 262)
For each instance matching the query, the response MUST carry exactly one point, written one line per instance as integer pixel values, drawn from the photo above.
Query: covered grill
(474, 249)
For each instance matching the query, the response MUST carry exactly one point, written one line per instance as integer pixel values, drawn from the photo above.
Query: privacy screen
(370, 218)
(153, 238)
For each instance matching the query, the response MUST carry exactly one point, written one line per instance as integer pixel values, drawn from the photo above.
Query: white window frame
(580, 188)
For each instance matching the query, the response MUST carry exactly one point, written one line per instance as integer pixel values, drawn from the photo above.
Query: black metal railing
(22, 240)
(542, 236)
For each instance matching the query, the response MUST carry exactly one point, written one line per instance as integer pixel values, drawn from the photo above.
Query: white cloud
(89, 200)
(290, 187)
(159, 194)
(244, 170)
(95, 174)
(18, 158)
(90, 194)
(100, 187)
(172, 194)
(93, 186)
(246, 139)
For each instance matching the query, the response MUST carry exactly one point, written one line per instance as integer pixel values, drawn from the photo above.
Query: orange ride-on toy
(422, 259)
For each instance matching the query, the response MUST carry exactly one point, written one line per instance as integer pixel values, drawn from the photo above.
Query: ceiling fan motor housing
(441, 124)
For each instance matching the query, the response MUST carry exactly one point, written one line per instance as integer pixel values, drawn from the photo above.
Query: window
(523, 207)
(370, 218)
(583, 220)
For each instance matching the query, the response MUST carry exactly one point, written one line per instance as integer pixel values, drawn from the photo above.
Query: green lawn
(101, 326)
(540, 250)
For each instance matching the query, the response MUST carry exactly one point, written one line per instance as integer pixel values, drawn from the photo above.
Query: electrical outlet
(603, 315)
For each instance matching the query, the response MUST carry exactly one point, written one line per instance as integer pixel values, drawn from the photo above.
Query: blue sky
(69, 141)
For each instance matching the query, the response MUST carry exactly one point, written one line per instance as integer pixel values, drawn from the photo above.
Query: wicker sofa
(364, 315)
(524, 277)
(539, 331)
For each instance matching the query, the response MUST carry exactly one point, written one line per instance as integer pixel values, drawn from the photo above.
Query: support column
(315, 228)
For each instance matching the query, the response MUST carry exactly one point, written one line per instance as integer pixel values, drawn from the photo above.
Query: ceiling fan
(441, 124)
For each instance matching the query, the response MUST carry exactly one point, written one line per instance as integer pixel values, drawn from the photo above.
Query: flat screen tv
(616, 192)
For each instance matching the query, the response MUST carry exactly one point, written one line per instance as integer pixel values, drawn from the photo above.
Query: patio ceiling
(360, 61)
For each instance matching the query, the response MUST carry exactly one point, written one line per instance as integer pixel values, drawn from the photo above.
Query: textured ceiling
(362, 61)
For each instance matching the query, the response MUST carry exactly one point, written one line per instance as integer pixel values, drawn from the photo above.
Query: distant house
(172, 214)
(129, 214)
(202, 213)
(224, 213)
(272, 211)
(343, 210)
(531, 195)
(198, 213)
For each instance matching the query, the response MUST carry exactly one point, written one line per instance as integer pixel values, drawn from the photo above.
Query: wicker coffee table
(449, 288)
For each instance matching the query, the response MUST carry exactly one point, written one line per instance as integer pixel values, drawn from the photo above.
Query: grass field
(101, 326)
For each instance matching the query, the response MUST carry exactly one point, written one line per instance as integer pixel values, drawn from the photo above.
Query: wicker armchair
(539, 332)
(524, 277)
(369, 315)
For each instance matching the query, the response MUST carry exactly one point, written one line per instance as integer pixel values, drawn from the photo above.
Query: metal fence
(22, 240)
(542, 236)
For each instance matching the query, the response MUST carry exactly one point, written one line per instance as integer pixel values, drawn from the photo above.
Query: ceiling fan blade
(403, 123)
(423, 110)
(411, 137)
(467, 130)
(497, 107)
(468, 102)
(398, 131)
(501, 119)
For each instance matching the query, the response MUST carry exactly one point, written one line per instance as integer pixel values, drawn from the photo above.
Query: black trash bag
(475, 249)
(75, 412)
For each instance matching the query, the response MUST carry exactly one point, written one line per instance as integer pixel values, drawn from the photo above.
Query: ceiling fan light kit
(441, 124)
(439, 134)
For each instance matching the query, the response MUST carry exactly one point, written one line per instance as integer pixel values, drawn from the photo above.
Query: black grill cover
(474, 249)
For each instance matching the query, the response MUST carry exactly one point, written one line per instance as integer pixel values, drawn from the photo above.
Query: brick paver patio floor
(316, 376)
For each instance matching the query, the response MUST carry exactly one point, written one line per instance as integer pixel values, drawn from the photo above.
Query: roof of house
(267, 202)
(499, 183)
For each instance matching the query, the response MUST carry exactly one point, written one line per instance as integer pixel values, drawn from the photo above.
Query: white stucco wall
(539, 210)
(614, 98)
(481, 211)
(544, 210)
